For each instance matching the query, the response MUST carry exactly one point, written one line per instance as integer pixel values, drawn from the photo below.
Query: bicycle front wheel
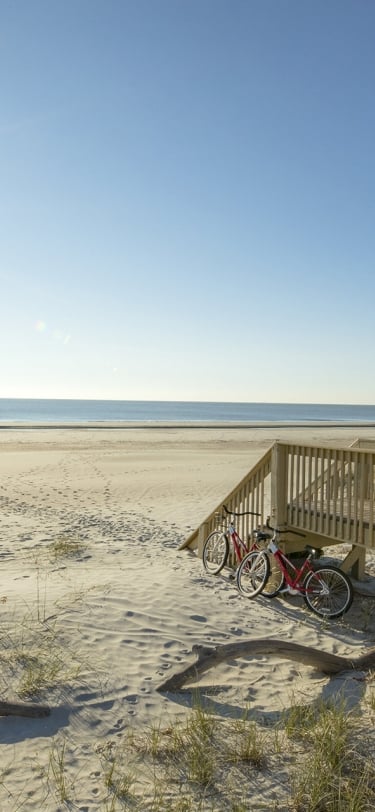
(215, 552)
(252, 574)
(328, 592)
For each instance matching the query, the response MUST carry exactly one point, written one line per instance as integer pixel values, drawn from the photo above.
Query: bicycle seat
(313, 551)
(261, 535)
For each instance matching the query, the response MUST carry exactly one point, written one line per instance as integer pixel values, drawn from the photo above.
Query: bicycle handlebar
(276, 530)
(245, 513)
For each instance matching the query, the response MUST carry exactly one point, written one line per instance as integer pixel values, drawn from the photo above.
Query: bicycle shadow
(358, 623)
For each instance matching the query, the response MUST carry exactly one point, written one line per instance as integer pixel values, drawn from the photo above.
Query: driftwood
(208, 657)
(19, 709)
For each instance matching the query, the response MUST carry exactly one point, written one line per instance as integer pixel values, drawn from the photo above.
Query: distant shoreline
(135, 424)
(27, 413)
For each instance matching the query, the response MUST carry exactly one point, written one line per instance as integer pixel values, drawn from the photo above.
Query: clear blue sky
(187, 199)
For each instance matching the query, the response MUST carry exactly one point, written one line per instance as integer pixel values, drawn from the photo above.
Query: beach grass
(334, 769)
(218, 762)
(35, 658)
(66, 547)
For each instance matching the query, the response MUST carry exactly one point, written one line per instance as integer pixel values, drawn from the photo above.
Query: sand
(95, 592)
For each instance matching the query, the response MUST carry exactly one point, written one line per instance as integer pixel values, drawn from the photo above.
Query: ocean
(30, 411)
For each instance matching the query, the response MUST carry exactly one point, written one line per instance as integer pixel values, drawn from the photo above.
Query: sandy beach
(98, 605)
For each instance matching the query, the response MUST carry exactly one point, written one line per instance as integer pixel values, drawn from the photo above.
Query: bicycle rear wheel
(252, 574)
(329, 592)
(215, 552)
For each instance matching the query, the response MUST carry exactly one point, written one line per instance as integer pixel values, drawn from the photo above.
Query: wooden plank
(303, 475)
(341, 509)
(316, 461)
(334, 486)
(279, 484)
(327, 486)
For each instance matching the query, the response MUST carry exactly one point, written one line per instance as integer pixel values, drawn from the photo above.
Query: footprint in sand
(164, 666)
(198, 618)
(117, 727)
(132, 698)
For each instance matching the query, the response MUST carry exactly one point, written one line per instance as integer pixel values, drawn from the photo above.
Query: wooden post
(355, 562)
(202, 535)
(279, 484)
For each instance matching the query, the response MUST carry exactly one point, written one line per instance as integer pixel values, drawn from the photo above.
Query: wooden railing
(326, 492)
(253, 493)
(330, 492)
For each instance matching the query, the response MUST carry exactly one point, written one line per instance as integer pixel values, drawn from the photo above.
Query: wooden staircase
(326, 492)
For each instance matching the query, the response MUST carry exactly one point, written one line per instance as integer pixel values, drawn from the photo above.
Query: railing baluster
(308, 511)
(303, 495)
(291, 484)
(370, 541)
(316, 460)
(334, 493)
(341, 494)
(298, 489)
(356, 481)
(321, 492)
(363, 484)
(349, 490)
(327, 491)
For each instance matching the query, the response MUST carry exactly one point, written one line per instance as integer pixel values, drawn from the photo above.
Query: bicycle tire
(328, 592)
(215, 552)
(252, 574)
(275, 581)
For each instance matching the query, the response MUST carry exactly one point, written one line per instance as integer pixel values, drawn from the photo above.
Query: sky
(187, 198)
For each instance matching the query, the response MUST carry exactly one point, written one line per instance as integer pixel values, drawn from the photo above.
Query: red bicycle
(265, 574)
(326, 590)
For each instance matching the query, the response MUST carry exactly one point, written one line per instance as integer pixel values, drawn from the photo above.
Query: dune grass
(66, 547)
(213, 764)
(335, 771)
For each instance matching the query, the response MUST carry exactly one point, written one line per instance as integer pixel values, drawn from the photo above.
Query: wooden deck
(325, 492)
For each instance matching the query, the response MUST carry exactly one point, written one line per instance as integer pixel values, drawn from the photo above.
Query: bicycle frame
(294, 584)
(224, 543)
(239, 546)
